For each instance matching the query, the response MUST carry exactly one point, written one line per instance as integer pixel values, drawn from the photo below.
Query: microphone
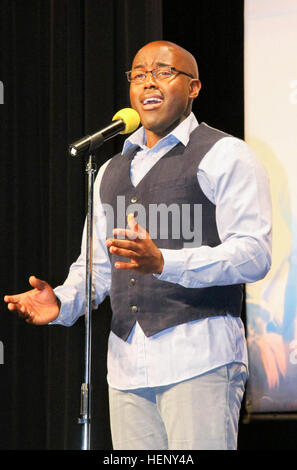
(124, 121)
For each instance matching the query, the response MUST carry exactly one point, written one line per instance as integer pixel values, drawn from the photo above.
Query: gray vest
(171, 206)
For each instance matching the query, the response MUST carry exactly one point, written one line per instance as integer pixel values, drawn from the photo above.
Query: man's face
(174, 95)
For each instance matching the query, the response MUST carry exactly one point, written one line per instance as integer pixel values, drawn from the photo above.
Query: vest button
(132, 281)
(133, 199)
(134, 308)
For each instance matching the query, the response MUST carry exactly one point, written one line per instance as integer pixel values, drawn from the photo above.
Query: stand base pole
(85, 401)
(84, 419)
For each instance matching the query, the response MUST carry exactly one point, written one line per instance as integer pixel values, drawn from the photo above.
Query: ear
(195, 87)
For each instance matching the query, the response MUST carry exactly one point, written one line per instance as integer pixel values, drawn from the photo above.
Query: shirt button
(132, 281)
(134, 308)
(133, 199)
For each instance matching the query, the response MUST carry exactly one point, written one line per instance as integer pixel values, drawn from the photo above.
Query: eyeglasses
(159, 73)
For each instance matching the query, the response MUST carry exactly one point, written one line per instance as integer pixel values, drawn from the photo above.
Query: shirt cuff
(59, 319)
(66, 307)
(174, 266)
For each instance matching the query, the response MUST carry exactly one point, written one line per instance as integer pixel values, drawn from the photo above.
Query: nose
(149, 81)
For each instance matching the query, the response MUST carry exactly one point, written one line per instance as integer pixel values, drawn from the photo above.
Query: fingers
(24, 312)
(132, 265)
(11, 299)
(13, 306)
(21, 310)
(133, 232)
(135, 244)
(17, 307)
(130, 234)
(123, 252)
(20, 302)
(34, 282)
(132, 222)
(27, 315)
(30, 319)
(135, 227)
(37, 283)
(126, 249)
(13, 303)
(120, 243)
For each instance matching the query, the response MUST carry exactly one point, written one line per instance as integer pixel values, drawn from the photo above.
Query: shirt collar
(181, 134)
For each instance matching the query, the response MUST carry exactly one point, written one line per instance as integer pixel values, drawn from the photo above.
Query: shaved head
(186, 58)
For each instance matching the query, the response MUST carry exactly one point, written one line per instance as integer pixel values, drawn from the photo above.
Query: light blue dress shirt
(234, 180)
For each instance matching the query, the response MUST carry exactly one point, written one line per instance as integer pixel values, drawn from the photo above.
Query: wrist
(58, 302)
(174, 265)
(160, 264)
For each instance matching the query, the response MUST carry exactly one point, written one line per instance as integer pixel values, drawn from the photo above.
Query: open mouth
(152, 102)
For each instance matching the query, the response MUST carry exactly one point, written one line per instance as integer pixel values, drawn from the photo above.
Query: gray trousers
(200, 413)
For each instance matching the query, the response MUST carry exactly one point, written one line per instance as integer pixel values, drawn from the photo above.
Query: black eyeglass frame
(153, 72)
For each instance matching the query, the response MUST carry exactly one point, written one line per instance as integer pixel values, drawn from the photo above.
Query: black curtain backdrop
(62, 66)
(213, 32)
(62, 63)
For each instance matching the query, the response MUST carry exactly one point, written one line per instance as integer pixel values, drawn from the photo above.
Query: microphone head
(130, 117)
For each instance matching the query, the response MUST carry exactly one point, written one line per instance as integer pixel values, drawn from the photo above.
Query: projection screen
(270, 63)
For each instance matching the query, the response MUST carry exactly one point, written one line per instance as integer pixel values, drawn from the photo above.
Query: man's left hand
(136, 244)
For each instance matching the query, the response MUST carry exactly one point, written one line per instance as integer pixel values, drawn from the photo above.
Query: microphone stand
(128, 120)
(85, 399)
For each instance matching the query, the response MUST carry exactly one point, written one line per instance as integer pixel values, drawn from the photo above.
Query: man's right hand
(38, 306)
